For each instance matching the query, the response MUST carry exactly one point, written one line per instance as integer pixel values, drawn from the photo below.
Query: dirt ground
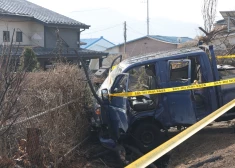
(214, 146)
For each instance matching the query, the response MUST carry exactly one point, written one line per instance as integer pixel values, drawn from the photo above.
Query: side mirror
(105, 94)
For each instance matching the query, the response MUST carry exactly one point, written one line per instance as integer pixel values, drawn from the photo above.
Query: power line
(100, 27)
(135, 30)
(89, 10)
(104, 29)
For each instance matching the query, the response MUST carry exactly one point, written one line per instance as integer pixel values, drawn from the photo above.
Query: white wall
(29, 29)
(114, 50)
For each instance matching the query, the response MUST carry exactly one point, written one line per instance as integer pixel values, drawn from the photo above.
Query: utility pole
(124, 37)
(147, 17)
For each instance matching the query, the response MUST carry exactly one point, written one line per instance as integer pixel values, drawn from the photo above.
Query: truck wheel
(148, 136)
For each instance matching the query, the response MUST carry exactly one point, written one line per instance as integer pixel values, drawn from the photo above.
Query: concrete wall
(142, 46)
(70, 36)
(146, 45)
(29, 31)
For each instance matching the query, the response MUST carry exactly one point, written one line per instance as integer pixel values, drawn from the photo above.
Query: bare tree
(208, 13)
(10, 89)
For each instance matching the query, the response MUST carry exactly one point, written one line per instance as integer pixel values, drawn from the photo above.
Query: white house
(96, 44)
(27, 32)
(48, 33)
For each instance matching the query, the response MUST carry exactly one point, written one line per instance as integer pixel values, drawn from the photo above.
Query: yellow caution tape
(174, 89)
(156, 153)
(226, 56)
(113, 67)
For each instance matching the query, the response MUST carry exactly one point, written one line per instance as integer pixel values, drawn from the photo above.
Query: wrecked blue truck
(143, 120)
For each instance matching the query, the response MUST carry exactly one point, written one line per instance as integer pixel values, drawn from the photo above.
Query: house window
(6, 36)
(19, 36)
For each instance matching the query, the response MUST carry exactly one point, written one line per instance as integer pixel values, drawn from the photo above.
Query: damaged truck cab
(144, 119)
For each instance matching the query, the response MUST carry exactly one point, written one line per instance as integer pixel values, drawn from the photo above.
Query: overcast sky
(106, 17)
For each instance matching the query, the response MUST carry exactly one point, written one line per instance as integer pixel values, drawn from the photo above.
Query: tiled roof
(42, 52)
(171, 39)
(90, 41)
(28, 9)
(166, 39)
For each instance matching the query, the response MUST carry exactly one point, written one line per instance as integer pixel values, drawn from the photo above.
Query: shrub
(60, 129)
(28, 60)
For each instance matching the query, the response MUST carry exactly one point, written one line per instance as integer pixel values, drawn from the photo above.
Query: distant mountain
(109, 23)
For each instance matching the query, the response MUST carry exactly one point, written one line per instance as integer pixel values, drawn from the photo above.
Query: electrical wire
(104, 29)
(135, 30)
(89, 10)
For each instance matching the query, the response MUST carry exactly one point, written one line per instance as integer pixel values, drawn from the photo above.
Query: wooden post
(33, 147)
(100, 62)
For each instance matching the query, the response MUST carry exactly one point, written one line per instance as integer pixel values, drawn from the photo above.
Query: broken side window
(179, 70)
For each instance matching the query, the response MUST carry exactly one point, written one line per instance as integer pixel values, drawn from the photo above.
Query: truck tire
(148, 136)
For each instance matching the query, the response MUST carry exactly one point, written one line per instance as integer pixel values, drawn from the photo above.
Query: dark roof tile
(26, 8)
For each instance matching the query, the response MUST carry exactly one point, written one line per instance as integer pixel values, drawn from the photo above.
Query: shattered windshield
(110, 79)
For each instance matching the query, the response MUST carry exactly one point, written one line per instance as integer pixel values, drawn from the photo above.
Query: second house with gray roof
(148, 44)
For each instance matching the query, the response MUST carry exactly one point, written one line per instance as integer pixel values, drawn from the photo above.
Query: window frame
(21, 37)
(142, 70)
(189, 71)
(7, 33)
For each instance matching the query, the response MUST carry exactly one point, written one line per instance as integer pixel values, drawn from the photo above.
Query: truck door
(179, 103)
(117, 106)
